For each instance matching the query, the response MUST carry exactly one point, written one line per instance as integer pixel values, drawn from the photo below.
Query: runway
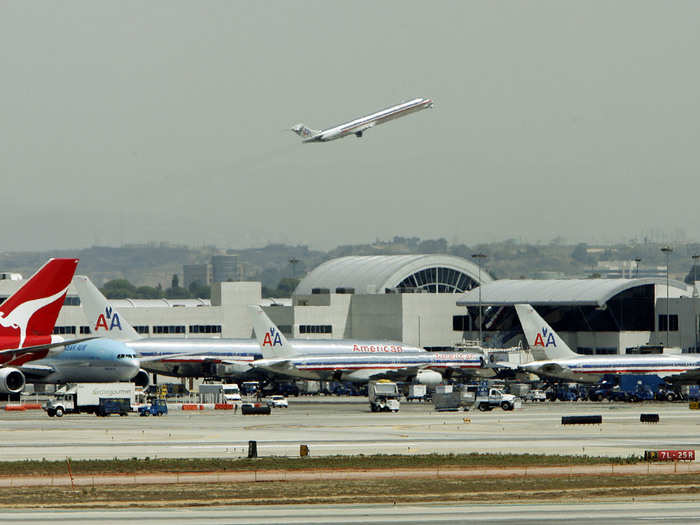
(350, 428)
(595, 513)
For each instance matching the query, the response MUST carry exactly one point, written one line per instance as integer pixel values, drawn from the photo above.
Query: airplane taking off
(358, 126)
(204, 356)
(428, 368)
(564, 364)
(31, 353)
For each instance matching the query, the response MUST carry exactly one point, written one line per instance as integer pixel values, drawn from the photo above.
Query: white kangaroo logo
(20, 316)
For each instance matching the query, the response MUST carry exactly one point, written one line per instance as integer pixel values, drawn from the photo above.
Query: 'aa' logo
(272, 338)
(540, 339)
(113, 317)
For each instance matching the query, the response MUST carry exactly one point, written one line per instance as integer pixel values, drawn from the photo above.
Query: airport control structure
(432, 301)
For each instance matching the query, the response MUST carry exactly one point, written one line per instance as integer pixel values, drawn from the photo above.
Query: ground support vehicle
(462, 397)
(85, 397)
(383, 396)
(277, 402)
(113, 405)
(637, 387)
(562, 392)
(488, 399)
(171, 389)
(287, 389)
(158, 407)
(250, 388)
(417, 392)
(309, 387)
(536, 396)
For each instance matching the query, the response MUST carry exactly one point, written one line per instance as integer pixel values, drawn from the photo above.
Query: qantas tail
(103, 318)
(303, 131)
(273, 343)
(31, 311)
(540, 335)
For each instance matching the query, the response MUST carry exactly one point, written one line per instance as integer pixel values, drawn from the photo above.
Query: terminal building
(594, 316)
(425, 300)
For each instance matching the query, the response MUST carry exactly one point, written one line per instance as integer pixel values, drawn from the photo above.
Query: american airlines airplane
(564, 364)
(205, 356)
(428, 368)
(358, 126)
(30, 353)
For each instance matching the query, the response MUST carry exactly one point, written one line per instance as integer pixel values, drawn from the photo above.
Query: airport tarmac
(590, 513)
(331, 428)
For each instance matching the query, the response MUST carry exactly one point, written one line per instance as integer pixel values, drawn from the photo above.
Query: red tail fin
(32, 310)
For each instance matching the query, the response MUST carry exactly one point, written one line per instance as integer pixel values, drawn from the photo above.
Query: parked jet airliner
(564, 364)
(358, 126)
(429, 368)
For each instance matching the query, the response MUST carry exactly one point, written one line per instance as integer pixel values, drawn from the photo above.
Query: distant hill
(155, 263)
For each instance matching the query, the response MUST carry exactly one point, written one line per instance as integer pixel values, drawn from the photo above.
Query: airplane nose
(130, 367)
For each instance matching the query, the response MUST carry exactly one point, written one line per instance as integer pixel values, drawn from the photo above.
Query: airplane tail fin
(303, 131)
(33, 309)
(102, 317)
(273, 343)
(540, 335)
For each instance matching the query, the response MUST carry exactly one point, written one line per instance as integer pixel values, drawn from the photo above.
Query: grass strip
(576, 488)
(147, 465)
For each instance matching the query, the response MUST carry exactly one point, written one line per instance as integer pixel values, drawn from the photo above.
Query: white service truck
(493, 397)
(85, 397)
(220, 393)
(383, 396)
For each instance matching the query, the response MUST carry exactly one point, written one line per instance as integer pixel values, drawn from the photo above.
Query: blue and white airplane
(428, 368)
(94, 361)
(562, 363)
(358, 126)
(206, 356)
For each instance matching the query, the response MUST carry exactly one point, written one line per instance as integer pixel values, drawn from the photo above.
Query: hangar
(594, 316)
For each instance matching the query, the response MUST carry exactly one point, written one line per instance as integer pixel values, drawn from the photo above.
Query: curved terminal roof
(558, 292)
(373, 274)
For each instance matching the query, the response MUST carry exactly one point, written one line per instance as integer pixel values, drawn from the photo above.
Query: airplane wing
(284, 367)
(279, 366)
(19, 356)
(38, 348)
(190, 355)
(548, 369)
(689, 376)
(364, 127)
(36, 371)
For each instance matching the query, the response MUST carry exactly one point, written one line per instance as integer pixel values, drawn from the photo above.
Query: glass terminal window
(438, 280)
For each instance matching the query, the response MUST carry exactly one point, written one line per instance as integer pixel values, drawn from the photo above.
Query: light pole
(667, 251)
(479, 257)
(637, 260)
(293, 263)
(695, 298)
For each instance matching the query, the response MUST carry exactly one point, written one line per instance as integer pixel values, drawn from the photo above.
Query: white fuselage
(592, 369)
(361, 368)
(238, 354)
(361, 124)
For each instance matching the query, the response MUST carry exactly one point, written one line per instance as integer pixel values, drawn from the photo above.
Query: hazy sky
(136, 121)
